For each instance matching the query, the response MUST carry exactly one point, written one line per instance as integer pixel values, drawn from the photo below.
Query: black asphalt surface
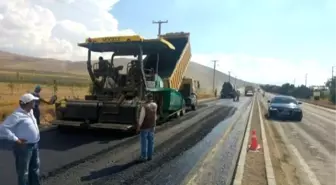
(63, 153)
(59, 151)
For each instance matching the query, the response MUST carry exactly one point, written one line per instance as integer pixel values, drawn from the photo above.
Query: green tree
(331, 84)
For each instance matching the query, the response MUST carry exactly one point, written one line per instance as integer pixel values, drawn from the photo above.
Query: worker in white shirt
(146, 126)
(21, 128)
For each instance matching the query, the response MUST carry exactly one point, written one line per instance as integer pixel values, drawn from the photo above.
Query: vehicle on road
(228, 91)
(285, 108)
(116, 97)
(189, 92)
(249, 90)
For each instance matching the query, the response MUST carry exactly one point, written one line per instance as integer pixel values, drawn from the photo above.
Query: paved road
(59, 150)
(312, 141)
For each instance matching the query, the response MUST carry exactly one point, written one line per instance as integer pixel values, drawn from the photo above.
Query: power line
(159, 25)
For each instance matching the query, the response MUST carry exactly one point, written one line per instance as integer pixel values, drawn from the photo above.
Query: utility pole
(214, 75)
(294, 82)
(306, 79)
(159, 27)
(229, 76)
(235, 81)
(332, 72)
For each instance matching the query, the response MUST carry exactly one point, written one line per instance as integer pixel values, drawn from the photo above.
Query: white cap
(26, 98)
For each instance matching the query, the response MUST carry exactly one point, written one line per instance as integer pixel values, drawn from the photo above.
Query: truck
(188, 90)
(249, 90)
(116, 98)
(316, 94)
(227, 91)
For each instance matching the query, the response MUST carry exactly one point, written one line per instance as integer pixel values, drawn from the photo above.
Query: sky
(262, 41)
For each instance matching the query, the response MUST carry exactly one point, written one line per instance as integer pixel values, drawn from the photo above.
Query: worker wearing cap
(146, 126)
(36, 107)
(21, 128)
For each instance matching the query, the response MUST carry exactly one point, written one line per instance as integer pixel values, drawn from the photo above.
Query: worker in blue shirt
(36, 107)
(21, 128)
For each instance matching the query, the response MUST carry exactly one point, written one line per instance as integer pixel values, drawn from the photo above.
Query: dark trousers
(27, 162)
(37, 115)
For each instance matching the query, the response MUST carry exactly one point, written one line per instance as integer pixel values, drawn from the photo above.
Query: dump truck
(116, 98)
(228, 91)
(249, 90)
(188, 90)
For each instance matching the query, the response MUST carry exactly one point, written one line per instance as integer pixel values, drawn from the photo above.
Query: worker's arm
(6, 128)
(44, 101)
(156, 117)
(142, 116)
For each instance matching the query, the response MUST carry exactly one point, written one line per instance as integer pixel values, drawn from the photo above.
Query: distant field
(65, 79)
(9, 101)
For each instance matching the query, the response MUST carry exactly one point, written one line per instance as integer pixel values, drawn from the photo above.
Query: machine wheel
(178, 114)
(193, 107)
(183, 112)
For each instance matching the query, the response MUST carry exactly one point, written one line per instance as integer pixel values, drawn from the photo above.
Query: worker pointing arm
(36, 108)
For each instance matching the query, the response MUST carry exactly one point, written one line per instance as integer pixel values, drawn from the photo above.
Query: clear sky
(297, 32)
(266, 41)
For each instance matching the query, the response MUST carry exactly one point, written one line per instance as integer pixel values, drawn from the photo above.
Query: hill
(15, 62)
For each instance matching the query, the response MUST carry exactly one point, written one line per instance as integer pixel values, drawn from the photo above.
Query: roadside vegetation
(304, 93)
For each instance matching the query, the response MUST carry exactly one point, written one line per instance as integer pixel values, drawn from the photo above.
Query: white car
(249, 93)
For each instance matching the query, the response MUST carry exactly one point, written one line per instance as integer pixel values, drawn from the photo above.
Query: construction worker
(36, 108)
(146, 126)
(21, 128)
(238, 94)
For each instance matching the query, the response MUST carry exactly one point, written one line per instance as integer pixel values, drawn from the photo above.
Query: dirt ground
(254, 171)
(323, 103)
(284, 170)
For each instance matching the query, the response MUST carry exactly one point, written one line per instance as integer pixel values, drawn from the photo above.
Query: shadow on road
(108, 171)
(54, 140)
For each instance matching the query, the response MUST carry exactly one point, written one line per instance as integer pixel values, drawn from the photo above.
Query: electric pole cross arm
(159, 25)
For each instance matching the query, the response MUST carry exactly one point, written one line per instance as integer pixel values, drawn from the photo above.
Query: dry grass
(324, 103)
(9, 101)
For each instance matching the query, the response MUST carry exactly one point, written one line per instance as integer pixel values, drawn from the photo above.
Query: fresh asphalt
(60, 152)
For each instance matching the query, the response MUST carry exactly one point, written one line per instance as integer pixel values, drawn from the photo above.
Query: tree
(289, 89)
(331, 84)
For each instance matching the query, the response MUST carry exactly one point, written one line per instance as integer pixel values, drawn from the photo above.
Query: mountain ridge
(20, 62)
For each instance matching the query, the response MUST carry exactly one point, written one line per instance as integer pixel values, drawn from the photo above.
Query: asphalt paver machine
(116, 97)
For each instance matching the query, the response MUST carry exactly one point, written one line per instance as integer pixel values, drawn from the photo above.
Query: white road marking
(304, 166)
(268, 163)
